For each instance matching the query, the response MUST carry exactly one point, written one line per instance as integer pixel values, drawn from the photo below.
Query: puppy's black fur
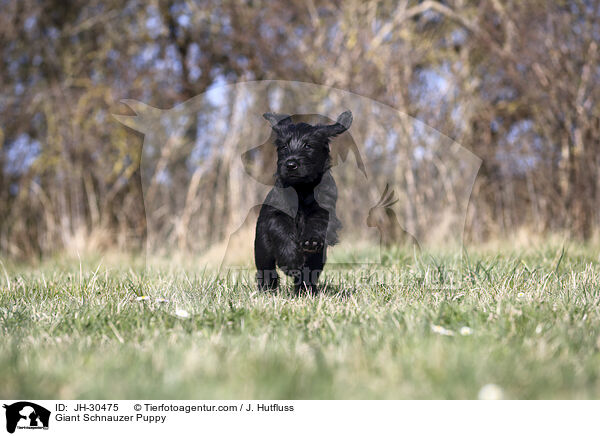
(297, 220)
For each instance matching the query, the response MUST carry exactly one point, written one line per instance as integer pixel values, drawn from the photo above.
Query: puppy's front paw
(312, 245)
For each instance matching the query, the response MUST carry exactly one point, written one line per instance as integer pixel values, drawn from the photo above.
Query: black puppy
(297, 220)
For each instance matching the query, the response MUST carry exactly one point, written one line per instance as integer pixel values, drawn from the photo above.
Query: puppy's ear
(277, 120)
(343, 123)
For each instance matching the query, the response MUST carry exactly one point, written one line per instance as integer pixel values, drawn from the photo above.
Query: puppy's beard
(295, 179)
(303, 175)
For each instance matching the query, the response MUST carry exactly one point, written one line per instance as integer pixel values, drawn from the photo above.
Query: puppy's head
(303, 149)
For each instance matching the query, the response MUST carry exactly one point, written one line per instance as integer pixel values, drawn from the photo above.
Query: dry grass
(74, 330)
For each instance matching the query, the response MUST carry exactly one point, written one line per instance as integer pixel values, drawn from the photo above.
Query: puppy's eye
(305, 145)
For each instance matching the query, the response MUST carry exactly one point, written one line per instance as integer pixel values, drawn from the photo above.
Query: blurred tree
(516, 82)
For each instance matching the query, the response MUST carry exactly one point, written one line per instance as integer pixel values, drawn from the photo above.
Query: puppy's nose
(291, 165)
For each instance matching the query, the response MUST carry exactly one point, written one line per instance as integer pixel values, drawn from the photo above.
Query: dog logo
(26, 415)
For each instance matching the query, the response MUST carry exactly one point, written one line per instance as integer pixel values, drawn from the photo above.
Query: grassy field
(527, 321)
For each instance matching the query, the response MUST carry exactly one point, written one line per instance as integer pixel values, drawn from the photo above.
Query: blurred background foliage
(515, 82)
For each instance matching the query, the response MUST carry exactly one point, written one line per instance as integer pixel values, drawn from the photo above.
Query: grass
(77, 331)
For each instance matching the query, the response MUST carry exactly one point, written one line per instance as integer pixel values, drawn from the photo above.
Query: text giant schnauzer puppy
(297, 221)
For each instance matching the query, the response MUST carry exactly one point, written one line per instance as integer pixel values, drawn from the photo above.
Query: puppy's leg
(313, 242)
(264, 258)
(311, 270)
(277, 243)
(315, 231)
(289, 257)
(266, 274)
(286, 247)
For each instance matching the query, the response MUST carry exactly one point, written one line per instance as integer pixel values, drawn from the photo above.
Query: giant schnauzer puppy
(297, 220)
